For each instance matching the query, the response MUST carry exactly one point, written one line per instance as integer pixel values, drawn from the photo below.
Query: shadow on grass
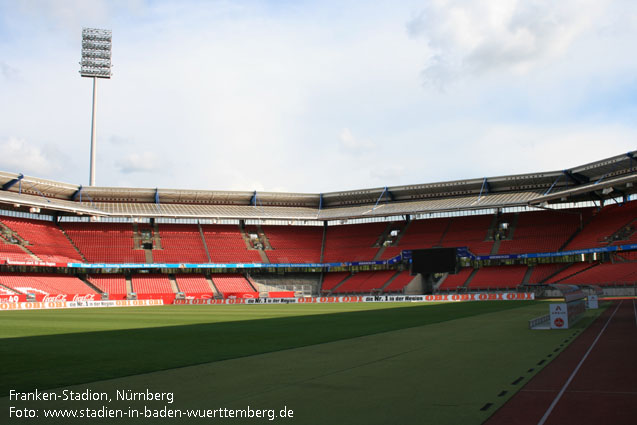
(53, 361)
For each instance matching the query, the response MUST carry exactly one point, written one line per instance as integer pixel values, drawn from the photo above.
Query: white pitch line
(570, 378)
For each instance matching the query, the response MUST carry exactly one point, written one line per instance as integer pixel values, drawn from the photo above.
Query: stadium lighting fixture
(96, 63)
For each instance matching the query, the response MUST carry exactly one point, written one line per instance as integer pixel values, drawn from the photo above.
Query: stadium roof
(614, 177)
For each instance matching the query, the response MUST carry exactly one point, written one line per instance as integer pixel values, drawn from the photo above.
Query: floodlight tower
(96, 63)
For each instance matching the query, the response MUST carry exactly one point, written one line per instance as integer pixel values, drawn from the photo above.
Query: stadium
(322, 265)
(443, 231)
(519, 233)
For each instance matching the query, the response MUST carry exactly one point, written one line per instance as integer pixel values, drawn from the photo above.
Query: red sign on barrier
(281, 294)
(68, 297)
(167, 298)
(199, 295)
(17, 298)
(243, 295)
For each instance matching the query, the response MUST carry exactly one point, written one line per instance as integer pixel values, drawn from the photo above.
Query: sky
(317, 96)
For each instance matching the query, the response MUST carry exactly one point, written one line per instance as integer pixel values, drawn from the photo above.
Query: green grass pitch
(329, 363)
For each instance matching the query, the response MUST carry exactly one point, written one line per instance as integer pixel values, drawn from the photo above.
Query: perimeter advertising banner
(14, 298)
(68, 297)
(501, 296)
(16, 303)
(77, 304)
(10, 262)
(390, 261)
(614, 248)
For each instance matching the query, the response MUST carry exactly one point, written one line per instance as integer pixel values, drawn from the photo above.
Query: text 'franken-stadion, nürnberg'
(88, 395)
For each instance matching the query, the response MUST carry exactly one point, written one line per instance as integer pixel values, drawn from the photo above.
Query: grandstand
(352, 242)
(41, 239)
(294, 244)
(151, 284)
(180, 243)
(44, 283)
(104, 243)
(542, 272)
(606, 226)
(112, 284)
(364, 282)
(456, 281)
(521, 232)
(541, 231)
(194, 284)
(498, 277)
(232, 283)
(226, 244)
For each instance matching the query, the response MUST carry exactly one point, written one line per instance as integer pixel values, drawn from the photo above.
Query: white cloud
(8, 72)
(351, 143)
(71, 15)
(144, 162)
(118, 140)
(468, 39)
(388, 172)
(18, 155)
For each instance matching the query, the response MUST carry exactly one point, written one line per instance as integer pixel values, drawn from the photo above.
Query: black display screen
(434, 260)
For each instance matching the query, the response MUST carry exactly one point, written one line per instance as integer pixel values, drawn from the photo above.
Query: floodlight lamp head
(96, 53)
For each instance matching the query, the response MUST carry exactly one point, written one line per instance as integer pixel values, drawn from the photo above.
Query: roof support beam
(485, 188)
(576, 178)
(380, 197)
(77, 194)
(595, 197)
(621, 193)
(37, 190)
(8, 185)
(553, 185)
(157, 196)
(253, 200)
(605, 175)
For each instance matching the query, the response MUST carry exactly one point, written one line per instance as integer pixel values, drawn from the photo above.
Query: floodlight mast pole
(93, 135)
(96, 63)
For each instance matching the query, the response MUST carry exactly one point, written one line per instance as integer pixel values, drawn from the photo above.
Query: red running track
(592, 382)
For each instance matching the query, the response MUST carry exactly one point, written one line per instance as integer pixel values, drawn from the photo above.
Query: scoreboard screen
(434, 260)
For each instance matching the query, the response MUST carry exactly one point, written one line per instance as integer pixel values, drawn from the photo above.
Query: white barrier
(541, 322)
